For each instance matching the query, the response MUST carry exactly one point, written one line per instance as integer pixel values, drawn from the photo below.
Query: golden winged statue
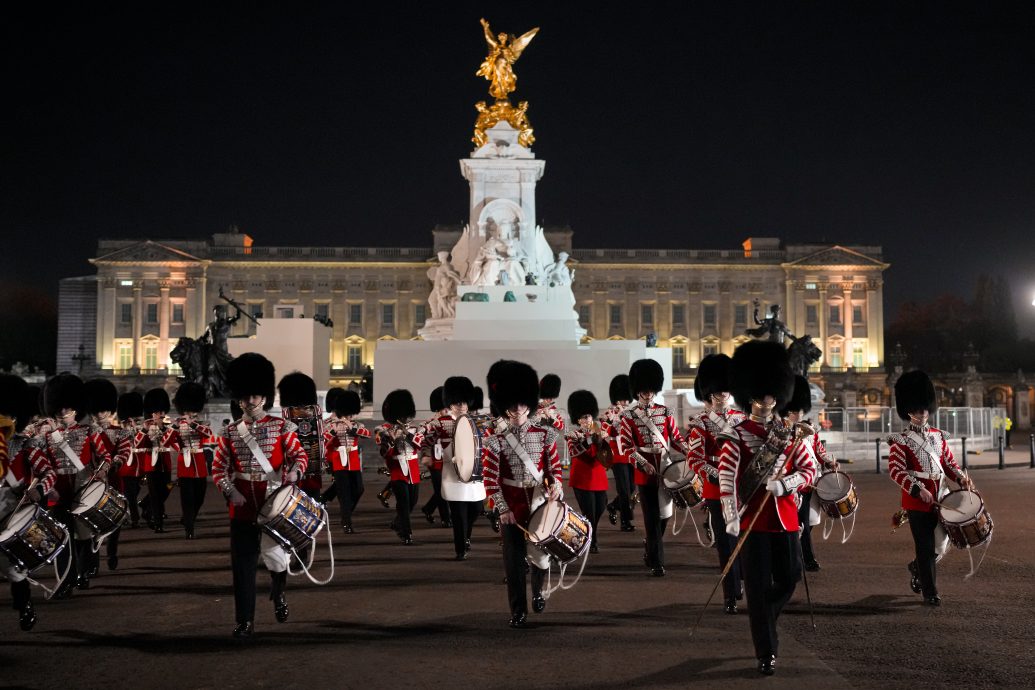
(498, 67)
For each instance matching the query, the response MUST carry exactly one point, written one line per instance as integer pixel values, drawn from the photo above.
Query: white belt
(251, 476)
(926, 475)
(529, 484)
(652, 450)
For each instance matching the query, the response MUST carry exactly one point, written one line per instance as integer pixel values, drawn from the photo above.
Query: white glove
(236, 498)
(291, 477)
(776, 487)
(730, 515)
(557, 491)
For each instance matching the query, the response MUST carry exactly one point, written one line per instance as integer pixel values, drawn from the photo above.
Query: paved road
(398, 616)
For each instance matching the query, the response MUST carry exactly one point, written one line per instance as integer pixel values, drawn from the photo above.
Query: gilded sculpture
(498, 69)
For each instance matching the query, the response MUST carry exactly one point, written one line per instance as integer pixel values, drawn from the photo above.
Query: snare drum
(32, 538)
(100, 508)
(683, 484)
(292, 517)
(965, 519)
(467, 450)
(837, 495)
(560, 531)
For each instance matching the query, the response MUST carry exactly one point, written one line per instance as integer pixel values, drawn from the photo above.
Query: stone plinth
(292, 345)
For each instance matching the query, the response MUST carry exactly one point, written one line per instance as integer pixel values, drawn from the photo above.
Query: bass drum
(467, 450)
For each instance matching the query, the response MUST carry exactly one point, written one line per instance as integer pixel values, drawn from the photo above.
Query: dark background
(903, 124)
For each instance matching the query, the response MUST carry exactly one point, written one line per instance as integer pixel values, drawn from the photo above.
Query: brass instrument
(597, 438)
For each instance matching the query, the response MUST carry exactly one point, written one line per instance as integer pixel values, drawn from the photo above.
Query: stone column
(138, 321)
(847, 316)
(107, 306)
(873, 345)
(790, 308)
(824, 316)
(878, 319)
(799, 309)
(190, 308)
(163, 324)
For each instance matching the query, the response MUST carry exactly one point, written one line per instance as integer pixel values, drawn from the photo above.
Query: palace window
(857, 314)
(584, 315)
(858, 358)
(616, 315)
(388, 315)
(835, 314)
(678, 315)
(322, 309)
(124, 355)
(150, 355)
(126, 313)
(177, 313)
(420, 314)
(811, 315)
(679, 357)
(355, 314)
(647, 315)
(709, 316)
(709, 347)
(355, 358)
(740, 316)
(152, 312)
(834, 355)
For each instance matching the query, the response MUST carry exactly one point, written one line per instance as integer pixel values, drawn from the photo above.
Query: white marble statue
(498, 257)
(444, 280)
(558, 273)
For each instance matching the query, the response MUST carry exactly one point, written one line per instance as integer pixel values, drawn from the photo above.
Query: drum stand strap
(59, 579)
(549, 590)
(970, 555)
(682, 523)
(845, 534)
(312, 554)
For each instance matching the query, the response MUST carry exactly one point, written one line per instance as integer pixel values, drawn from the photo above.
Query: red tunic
(423, 432)
(24, 460)
(636, 436)
(919, 457)
(339, 442)
(187, 440)
(436, 437)
(161, 461)
(586, 471)
(507, 481)
(780, 513)
(395, 460)
(704, 445)
(234, 465)
(85, 445)
(133, 463)
(547, 414)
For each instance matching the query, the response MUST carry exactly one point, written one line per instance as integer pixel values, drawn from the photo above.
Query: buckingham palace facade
(124, 320)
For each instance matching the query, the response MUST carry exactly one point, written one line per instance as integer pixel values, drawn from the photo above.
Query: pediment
(147, 251)
(837, 256)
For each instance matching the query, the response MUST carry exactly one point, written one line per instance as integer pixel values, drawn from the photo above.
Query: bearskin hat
(619, 389)
(101, 396)
(513, 383)
(64, 391)
(646, 375)
(697, 389)
(457, 389)
(297, 390)
(713, 375)
(581, 403)
(190, 397)
(130, 405)
(251, 374)
(914, 391)
(477, 399)
(12, 395)
(435, 400)
(342, 402)
(550, 386)
(801, 399)
(398, 406)
(760, 368)
(156, 400)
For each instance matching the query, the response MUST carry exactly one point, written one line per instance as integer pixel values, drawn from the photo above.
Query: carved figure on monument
(204, 360)
(558, 272)
(498, 66)
(444, 280)
(502, 111)
(771, 327)
(496, 258)
(803, 354)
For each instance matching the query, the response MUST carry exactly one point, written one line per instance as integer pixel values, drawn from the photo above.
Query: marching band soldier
(398, 446)
(158, 459)
(793, 412)
(918, 461)
(588, 477)
(649, 431)
(439, 410)
(465, 498)
(622, 468)
(341, 439)
(102, 401)
(301, 405)
(254, 457)
(76, 454)
(761, 379)
(21, 463)
(185, 438)
(130, 412)
(704, 441)
(546, 411)
(519, 464)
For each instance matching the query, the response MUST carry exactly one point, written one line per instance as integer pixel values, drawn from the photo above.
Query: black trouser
(21, 595)
(131, 490)
(406, 496)
(111, 544)
(245, 541)
(623, 473)
(653, 526)
(348, 487)
(922, 524)
(463, 514)
(807, 554)
(772, 568)
(724, 545)
(436, 502)
(592, 504)
(192, 497)
(514, 552)
(157, 492)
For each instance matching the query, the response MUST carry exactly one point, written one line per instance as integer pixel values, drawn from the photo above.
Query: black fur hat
(251, 374)
(130, 405)
(713, 375)
(477, 399)
(342, 402)
(398, 406)
(297, 390)
(801, 399)
(156, 400)
(513, 383)
(64, 391)
(435, 400)
(101, 396)
(697, 389)
(760, 368)
(619, 389)
(190, 397)
(12, 395)
(581, 403)
(914, 391)
(646, 375)
(550, 386)
(457, 389)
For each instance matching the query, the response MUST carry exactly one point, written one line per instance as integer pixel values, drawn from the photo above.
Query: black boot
(612, 513)
(22, 601)
(914, 580)
(244, 630)
(280, 607)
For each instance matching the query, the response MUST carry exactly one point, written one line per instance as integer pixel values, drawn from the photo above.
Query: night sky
(907, 125)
